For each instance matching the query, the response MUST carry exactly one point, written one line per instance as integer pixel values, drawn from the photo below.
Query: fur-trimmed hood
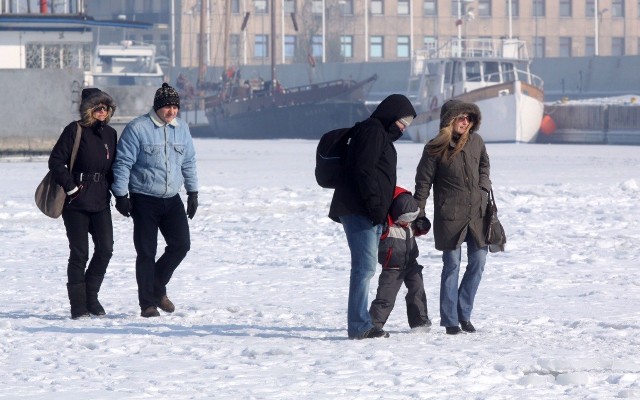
(91, 97)
(453, 108)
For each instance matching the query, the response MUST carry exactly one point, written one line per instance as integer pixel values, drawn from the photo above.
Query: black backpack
(331, 156)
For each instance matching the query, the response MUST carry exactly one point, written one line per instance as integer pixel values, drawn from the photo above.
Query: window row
(458, 7)
(346, 46)
(403, 46)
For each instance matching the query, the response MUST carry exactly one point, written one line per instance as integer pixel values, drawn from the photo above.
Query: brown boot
(149, 312)
(166, 305)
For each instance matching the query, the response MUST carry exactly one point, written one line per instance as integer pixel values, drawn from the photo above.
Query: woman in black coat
(87, 210)
(456, 164)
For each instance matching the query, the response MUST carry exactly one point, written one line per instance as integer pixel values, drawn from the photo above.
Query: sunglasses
(100, 108)
(463, 118)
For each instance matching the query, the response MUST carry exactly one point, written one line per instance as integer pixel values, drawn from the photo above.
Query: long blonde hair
(88, 119)
(441, 144)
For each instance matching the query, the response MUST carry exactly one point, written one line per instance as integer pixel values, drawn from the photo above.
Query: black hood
(91, 97)
(391, 109)
(453, 108)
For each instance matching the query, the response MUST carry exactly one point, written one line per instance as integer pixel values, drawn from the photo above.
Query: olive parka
(460, 184)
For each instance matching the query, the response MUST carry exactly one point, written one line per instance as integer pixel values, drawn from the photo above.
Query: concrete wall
(36, 106)
(588, 77)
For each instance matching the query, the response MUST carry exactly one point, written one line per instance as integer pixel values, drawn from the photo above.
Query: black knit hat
(166, 96)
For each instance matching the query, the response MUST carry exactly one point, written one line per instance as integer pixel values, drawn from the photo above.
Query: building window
(234, 45)
(261, 6)
(403, 7)
(466, 5)
(346, 46)
(377, 7)
(403, 48)
(58, 56)
(316, 46)
(289, 46)
(565, 8)
(515, 8)
(538, 8)
(429, 42)
(617, 8)
(538, 47)
(565, 46)
(377, 47)
(235, 6)
(261, 47)
(346, 7)
(430, 8)
(289, 6)
(590, 8)
(316, 6)
(589, 46)
(484, 8)
(617, 46)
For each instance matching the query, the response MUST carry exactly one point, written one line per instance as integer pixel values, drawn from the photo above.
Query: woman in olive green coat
(456, 164)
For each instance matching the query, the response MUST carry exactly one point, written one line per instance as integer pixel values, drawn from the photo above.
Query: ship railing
(508, 76)
(514, 49)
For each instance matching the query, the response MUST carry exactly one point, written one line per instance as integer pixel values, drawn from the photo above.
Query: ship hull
(304, 121)
(511, 112)
(304, 112)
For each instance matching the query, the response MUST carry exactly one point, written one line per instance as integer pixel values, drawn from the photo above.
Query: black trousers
(79, 225)
(389, 284)
(150, 215)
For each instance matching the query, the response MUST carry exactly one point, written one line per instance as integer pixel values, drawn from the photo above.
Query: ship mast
(225, 50)
(203, 25)
(273, 44)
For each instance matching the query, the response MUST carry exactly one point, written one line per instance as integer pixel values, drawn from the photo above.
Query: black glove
(123, 205)
(192, 204)
(421, 226)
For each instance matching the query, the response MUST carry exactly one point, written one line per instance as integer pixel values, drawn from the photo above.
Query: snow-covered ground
(261, 298)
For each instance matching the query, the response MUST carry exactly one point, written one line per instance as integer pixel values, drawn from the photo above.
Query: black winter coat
(371, 164)
(95, 156)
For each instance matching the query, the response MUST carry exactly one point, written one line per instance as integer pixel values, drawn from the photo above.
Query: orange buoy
(547, 126)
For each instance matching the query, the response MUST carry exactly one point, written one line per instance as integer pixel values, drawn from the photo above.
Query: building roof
(62, 22)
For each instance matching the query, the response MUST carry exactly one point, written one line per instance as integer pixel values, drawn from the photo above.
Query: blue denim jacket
(155, 158)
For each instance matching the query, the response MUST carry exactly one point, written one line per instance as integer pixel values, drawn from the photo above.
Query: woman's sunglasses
(100, 108)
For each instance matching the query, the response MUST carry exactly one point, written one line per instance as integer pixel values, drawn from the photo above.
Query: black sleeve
(368, 147)
(60, 157)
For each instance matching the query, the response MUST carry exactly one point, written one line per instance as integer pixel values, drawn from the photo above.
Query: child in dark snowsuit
(398, 253)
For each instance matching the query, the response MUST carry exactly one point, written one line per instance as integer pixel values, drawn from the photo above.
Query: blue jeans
(363, 239)
(456, 302)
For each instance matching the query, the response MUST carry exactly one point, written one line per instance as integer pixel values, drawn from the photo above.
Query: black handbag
(495, 236)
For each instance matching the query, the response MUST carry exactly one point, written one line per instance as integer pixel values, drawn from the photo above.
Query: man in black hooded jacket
(362, 201)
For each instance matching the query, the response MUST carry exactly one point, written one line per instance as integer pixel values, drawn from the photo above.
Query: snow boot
(78, 300)
(93, 283)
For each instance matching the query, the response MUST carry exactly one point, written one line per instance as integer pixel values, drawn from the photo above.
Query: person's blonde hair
(89, 120)
(441, 144)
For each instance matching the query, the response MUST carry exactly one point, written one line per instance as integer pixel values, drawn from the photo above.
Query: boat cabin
(461, 66)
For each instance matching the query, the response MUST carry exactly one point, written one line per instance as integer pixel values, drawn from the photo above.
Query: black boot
(78, 300)
(93, 283)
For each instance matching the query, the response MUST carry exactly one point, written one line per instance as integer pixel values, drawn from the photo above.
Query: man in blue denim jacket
(155, 156)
